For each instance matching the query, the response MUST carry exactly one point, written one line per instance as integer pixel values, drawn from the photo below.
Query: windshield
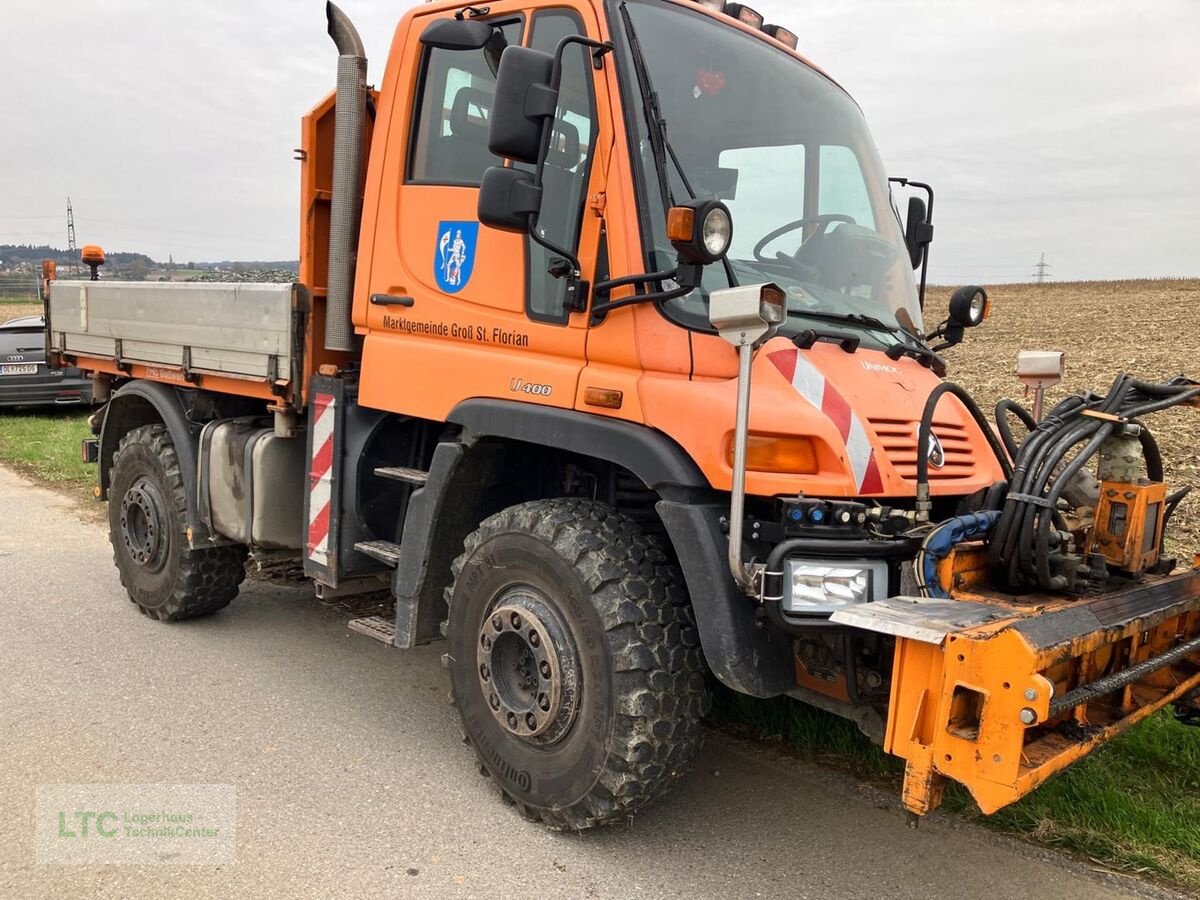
(790, 154)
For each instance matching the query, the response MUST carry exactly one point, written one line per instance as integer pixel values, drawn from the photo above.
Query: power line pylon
(1041, 274)
(72, 249)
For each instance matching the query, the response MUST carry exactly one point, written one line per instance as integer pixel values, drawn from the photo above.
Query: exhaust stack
(346, 211)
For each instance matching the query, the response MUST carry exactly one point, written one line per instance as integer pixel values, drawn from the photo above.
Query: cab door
(453, 310)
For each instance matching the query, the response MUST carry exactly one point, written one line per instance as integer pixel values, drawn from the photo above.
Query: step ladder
(400, 473)
(377, 627)
(386, 552)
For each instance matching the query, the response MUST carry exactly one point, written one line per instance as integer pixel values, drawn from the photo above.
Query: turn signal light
(777, 453)
(681, 223)
(604, 398)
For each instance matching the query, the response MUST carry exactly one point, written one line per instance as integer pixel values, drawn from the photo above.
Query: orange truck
(606, 355)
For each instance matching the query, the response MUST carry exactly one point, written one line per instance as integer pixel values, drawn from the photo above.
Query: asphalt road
(351, 778)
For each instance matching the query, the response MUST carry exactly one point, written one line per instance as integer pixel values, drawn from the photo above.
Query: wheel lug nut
(535, 639)
(530, 721)
(484, 673)
(512, 721)
(494, 701)
(544, 702)
(498, 622)
(515, 618)
(544, 668)
(486, 642)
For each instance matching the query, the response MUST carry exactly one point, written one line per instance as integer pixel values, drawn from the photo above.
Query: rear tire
(575, 662)
(147, 526)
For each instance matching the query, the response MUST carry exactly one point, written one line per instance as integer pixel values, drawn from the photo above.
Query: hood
(860, 410)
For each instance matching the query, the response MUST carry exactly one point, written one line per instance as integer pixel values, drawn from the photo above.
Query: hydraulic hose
(926, 431)
(1025, 547)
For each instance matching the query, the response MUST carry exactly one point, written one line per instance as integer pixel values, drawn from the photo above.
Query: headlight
(822, 586)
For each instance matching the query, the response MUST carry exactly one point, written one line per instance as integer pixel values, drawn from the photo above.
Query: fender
(151, 403)
(658, 461)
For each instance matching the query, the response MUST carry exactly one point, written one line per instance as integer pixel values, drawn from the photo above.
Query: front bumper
(1000, 695)
(45, 389)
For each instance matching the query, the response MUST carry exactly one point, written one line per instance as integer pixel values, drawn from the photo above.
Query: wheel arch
(151, 403)
(512, 443)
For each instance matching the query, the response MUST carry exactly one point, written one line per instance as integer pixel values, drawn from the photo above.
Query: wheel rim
(527, 666)
(143, 525)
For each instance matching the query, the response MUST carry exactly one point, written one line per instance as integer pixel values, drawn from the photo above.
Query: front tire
(575, 662)
(147, 526)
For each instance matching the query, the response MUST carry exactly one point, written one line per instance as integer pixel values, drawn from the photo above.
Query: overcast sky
(1070, 128)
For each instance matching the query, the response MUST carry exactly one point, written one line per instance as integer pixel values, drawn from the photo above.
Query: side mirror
(918, 232)
(525, 99)
(507, 197)
(456, 34)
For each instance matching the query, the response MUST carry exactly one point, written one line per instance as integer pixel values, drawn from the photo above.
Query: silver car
(25, 379)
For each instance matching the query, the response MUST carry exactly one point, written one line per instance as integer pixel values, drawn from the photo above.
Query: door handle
(391, 300)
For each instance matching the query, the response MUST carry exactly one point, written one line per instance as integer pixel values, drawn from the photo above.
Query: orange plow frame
(1000, 693)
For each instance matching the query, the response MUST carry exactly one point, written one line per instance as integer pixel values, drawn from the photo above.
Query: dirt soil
(1149, 328)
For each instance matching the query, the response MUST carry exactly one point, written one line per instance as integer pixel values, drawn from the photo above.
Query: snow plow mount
(1000, 693)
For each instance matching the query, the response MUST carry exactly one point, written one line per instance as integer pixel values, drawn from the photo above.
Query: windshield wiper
(660, 143)
(900, 348)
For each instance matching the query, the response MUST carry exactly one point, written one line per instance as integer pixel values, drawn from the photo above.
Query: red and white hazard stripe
(811, 383)
(320, 477)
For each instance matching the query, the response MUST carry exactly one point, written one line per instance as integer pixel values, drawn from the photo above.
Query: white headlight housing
(816, 587)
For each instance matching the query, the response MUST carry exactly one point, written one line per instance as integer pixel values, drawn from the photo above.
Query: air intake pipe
(346, 209)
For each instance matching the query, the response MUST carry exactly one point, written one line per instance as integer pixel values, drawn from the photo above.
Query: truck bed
(235, 338)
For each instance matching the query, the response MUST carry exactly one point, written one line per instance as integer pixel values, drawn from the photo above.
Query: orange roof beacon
(606, 354)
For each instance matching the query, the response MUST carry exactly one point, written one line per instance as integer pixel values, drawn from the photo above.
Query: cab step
(384, 551)
(377, 627)
(399, 473)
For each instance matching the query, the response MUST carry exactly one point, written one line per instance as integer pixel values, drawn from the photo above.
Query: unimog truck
(607, 357)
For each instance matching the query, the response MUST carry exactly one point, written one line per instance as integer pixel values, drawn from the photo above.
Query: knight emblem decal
(455, 258)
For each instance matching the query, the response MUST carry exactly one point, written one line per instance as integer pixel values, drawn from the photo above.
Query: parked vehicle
(601, 441)
(25, 377)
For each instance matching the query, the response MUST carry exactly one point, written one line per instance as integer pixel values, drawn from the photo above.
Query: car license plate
(26, 369)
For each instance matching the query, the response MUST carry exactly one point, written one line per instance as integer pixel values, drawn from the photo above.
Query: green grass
(46, 445)
(1134, 805)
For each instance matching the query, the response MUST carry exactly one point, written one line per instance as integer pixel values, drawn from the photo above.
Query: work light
(701, 230)
(969, 306)
(781, 34)
(744, 14)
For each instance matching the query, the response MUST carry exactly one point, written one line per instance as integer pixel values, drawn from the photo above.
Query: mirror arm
(600, 310)
(920, 185)
(577, 289)
(607, 287)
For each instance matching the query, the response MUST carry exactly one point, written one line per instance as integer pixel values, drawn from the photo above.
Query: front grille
(898, 438)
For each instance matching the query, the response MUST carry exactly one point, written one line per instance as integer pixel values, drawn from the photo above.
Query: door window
(456, 91)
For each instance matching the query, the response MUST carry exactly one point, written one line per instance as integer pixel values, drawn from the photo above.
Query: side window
(843, 189)
(456, 91)
(568, 164)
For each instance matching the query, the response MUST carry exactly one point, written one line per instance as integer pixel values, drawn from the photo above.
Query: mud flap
(999, 695)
